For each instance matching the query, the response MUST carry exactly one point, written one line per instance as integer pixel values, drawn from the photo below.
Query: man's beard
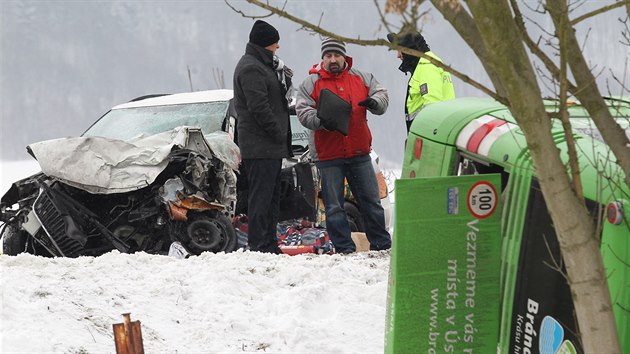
(334, 68)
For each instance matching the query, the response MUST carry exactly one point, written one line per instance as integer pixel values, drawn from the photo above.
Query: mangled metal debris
(97, 194)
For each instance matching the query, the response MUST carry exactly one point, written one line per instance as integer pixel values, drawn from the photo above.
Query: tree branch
(243, 14)
(376, 42)
(600, 11)
(591, 98)
(534, 48)
(465, 26)
(576, 179)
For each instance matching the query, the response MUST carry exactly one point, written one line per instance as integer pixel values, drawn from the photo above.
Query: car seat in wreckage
(478, 137)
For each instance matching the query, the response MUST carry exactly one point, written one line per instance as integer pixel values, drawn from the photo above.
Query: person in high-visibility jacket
(428, 83)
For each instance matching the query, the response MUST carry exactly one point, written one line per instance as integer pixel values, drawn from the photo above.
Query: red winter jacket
(352, 85)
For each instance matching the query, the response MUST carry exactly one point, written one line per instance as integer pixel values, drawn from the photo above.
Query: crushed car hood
(104, 166)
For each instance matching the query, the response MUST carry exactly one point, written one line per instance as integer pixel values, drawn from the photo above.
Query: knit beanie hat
(263, 34)
(331, 44)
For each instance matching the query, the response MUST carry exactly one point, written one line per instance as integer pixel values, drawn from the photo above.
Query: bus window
(466, 165)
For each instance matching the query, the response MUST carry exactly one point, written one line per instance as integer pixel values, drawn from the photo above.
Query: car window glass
(127, 123)
(299, 134)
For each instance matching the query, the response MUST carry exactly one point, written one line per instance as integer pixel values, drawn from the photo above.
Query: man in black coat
(264, 133)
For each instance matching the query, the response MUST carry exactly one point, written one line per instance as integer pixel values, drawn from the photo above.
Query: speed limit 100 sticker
(482, 199)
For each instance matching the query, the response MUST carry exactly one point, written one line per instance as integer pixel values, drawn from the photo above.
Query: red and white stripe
(479, 135)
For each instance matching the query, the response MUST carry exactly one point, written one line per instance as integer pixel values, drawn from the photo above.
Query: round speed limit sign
(482, 199)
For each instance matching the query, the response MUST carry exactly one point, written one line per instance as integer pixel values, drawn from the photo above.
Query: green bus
(477, 136)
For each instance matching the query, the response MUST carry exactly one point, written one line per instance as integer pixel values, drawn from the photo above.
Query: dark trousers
(263, 203)
(241, 192)
(362, 180)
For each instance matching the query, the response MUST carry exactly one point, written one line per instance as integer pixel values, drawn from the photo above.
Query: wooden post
(128, 336)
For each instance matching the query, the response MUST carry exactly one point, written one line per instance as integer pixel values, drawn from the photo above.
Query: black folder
(334, 110)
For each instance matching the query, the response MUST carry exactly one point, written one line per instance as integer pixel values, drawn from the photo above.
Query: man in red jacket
(338, 156)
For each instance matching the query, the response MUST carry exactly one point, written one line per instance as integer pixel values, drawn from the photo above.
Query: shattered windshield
(126, 123)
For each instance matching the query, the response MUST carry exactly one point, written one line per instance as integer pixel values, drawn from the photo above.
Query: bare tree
(575, 230)
(219, 78)
(189, 78)
(491, 29)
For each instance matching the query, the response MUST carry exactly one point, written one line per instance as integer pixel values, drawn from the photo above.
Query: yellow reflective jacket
(428, 84)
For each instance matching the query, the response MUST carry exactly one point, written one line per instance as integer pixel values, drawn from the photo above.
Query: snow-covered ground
(240, 302)
(215, 303)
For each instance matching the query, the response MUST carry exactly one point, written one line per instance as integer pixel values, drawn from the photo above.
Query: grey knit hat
(333, 45)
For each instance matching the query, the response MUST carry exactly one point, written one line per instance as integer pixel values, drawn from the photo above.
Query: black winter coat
(263, 127)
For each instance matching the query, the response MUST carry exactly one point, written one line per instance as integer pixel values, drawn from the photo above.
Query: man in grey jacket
(340, 156)
(264, 133)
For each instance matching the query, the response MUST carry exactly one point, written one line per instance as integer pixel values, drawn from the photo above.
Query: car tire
(13, 240)
(212, 233)
(230, 233)
(355, 219)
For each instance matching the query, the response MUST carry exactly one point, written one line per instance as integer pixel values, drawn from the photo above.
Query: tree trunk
(465, 26)
(574, 227)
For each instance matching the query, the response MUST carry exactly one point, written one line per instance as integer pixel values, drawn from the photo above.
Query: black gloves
(369, 103)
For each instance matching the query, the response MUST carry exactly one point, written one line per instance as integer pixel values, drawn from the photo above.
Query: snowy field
(242, 302)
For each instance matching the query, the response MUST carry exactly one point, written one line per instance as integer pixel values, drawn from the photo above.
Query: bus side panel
(615, 249)
(426, 158)
(543, 314)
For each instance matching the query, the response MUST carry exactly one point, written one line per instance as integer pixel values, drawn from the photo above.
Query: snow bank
(228, 303)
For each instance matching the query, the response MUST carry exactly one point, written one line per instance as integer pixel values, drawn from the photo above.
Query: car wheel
(355, 219)
(13, 240)
(211, 233)
(229, 232)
